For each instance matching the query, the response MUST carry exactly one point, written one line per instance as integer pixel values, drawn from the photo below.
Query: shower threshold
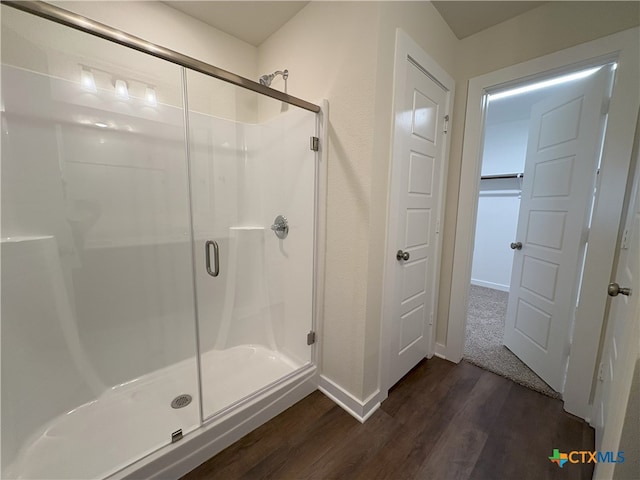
(130, 421)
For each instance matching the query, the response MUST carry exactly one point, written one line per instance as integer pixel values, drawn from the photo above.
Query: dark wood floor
(442, 421)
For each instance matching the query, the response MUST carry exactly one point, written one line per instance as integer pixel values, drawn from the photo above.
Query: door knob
(614, 289)
(516, 245)
(402, 255)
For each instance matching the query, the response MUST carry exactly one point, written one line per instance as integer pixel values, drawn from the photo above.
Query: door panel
(553, 178)
(425, 113)
(533, 323)
(540, 277)
(420, 173)
(418, 223)
(546, 229)
(559, 179)
(421, 168)
(560, 124)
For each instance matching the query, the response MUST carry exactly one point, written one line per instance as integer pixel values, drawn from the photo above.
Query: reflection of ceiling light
(87, 81)
(544, 84)
(150, 97)
(101, 125)
(121, 90)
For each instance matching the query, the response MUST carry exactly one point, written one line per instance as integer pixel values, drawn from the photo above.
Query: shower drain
(181, 401)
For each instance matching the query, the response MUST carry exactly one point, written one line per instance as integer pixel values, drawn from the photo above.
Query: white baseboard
(440, 351)
(360, 410)
(495, 286)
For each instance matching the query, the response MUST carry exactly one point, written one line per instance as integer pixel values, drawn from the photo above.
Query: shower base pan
(133, 420)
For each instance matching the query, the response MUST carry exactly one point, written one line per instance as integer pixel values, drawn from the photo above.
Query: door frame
(619, 134)
(407, 50)
(608, 435)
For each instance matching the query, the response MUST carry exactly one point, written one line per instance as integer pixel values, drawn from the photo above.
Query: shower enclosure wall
(128, 182)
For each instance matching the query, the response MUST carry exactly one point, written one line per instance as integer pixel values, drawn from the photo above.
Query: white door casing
(565, 133)
(621, 347)
(421, 106)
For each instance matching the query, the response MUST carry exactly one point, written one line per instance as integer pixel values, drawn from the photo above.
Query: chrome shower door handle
(216, 258)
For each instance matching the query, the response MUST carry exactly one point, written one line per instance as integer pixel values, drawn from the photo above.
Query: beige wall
(330, 51)
(160, 24)
(553, 26)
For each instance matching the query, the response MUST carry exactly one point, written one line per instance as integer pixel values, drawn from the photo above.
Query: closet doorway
(542, 140)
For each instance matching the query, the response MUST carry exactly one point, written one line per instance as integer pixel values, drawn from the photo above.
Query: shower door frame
(218, 431)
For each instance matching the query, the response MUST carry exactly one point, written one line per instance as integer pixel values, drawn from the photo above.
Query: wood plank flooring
(441, 421)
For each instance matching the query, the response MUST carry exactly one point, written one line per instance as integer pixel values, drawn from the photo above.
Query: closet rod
(506, 175)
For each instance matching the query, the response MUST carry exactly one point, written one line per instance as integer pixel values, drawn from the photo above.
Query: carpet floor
(483, 345)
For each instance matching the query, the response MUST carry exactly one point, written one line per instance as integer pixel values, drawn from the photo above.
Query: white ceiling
(467, 18)
(255, 21)
(250, 21)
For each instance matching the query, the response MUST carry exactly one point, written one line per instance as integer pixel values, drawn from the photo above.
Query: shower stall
(158, 251)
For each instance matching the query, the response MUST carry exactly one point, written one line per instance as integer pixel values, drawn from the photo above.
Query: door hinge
(314, 144)
(625, 237)
(175, 436)
(585, 235)
(311, 337)
(601, 372)
(438, 226)
(446, 124)
(605, 106)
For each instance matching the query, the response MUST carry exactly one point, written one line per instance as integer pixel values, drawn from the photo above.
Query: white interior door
(420, 132)
(621, 344)
(559, 180)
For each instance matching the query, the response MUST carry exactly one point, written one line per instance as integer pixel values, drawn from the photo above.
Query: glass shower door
(98, 331)
(253, 187)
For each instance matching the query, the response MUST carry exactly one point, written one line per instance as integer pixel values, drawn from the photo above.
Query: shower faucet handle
(280, 227)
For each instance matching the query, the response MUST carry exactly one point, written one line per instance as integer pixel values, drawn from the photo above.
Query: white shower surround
(100, 408)
(93, 432)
